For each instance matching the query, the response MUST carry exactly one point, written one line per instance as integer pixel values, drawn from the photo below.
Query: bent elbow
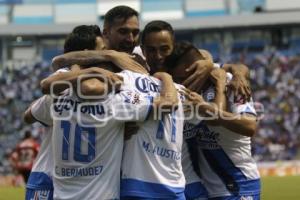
(45, 86)
(251, 129)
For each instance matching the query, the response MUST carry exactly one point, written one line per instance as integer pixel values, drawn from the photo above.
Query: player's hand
(194, 97)
(168, 99)
(162, 75)
(240, 87)
(165, 104)
(126, 62)
(191, 98)
(218, 76)
(199, 73)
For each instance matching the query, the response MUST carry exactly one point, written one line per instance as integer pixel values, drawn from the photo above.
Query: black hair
(95, 28)
(156, 26)
(119, 12)
(179, 51)
(82, 37)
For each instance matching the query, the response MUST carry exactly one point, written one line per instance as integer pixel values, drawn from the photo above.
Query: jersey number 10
(78, 140)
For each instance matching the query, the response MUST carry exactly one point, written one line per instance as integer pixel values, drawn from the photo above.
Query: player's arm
(199, 71)
(28, 117)
(218, 78)
(39, 111)
(122, 60)
(59, 81)
(166, 102)
(168, 99)
(240, 81)
(241, 123)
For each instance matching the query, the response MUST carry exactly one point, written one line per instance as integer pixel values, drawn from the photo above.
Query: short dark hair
(157, 26)
(82, 37)
(180, 50)
(81, 28)
(119, 12)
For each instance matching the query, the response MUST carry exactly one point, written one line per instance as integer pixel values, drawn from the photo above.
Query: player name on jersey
(160, 151)
(74, 172)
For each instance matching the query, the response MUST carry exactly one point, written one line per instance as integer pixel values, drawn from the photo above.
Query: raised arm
(218, 78)
(122, 60)
(240, 82)
(168, 99)
(200, 72)
(59, 81)
(241, 123)
(28, 117)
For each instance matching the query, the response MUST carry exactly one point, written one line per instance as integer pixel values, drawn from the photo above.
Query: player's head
(87, 37)
(182, 57)
(84, 37)
(121, 28)
(157, 42)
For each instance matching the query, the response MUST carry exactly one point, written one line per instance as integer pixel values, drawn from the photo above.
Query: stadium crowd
(275, 82)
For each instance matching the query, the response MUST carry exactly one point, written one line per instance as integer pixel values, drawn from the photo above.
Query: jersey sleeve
(40, 110)
(129, 105)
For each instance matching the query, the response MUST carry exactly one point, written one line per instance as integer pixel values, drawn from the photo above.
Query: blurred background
(263, 34)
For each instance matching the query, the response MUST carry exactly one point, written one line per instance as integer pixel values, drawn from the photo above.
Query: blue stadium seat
(250, 5)
(32, 14)
(162, 5)
(4, 9)
(213, 48)
(49, 53)
(205, 8)
(69, 13)
(74, 1)
(37, 1)
(163, 9)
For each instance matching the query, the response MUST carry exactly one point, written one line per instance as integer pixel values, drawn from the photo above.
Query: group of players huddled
(157, 120)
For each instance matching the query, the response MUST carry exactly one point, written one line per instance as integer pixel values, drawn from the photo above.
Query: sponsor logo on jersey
(69, 105)
(146, 85)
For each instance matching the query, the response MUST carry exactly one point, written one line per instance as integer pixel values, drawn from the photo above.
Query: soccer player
(224, 144)
(157, 44)
(40, 185)
(121, 29)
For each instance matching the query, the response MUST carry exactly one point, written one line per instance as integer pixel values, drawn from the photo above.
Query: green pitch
(11, 193)
(273, 188)
(281, 188)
